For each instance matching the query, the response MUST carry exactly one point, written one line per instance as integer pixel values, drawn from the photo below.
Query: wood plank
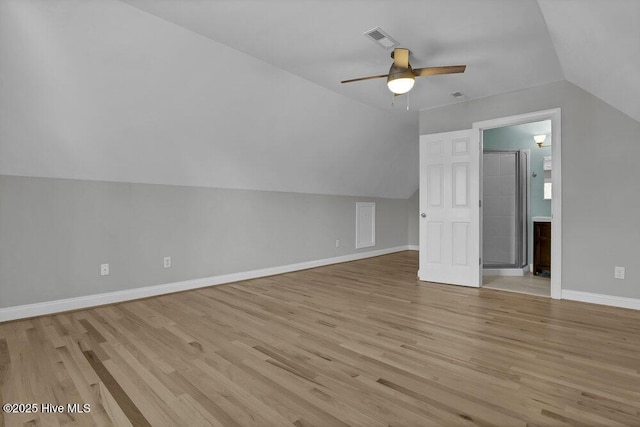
(124, 401)
(5, 358)
(92, 331)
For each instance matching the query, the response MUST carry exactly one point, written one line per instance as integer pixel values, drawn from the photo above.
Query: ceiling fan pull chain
(407, 101)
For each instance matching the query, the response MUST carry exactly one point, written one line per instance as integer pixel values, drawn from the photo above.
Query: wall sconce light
(540, 139)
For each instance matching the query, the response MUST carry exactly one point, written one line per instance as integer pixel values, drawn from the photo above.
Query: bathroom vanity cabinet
(542, 248)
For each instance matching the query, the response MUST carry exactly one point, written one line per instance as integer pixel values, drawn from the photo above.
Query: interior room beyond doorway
(516, 189)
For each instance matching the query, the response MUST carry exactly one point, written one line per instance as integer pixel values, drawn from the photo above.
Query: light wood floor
(527, 284)
(361, 343)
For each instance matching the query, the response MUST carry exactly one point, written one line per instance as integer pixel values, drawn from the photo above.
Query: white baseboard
(413, 247)
(623, 302)
(67, 304)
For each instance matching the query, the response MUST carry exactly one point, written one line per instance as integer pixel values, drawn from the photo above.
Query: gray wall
(55, 233)
(413, 216)
(148, 102)
(600, 179)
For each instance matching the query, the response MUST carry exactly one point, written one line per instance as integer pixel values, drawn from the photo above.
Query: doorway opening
(514, 176)
(520, 213)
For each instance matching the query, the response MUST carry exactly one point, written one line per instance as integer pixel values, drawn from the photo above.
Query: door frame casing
(556, 179)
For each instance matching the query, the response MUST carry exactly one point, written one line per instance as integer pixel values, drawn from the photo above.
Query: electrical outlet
(104, 269)
(618, 272)
(337, 243)
(167, 262)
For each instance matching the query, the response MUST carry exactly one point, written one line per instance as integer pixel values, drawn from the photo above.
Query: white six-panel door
(449, 208)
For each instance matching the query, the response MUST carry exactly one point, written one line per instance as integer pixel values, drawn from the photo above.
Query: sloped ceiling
(246, 94)
(96, 89)
(598, 44)
(504, 43)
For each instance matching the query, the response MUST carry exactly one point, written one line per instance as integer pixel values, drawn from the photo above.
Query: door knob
(423, 215)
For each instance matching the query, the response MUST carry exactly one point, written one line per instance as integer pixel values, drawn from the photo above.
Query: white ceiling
(598, 43)
(246, 94)
(99, 90)
(504, 43)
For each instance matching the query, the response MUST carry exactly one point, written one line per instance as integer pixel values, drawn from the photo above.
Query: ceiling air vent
(381, 38)
(459, 96)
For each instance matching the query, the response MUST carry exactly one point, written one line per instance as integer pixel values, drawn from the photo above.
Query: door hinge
(480, 203)
(479, 261)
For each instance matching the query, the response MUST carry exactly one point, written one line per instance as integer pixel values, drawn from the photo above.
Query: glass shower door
(503, 228)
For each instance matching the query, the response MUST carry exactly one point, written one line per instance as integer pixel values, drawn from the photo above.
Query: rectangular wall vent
(365, 224)
(381, 38)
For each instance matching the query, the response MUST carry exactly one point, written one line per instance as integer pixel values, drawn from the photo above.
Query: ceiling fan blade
(433, 71)
(379, 76)
(401, 57)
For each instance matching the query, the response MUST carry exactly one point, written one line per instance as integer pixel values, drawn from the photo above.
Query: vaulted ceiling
(598, 45)
(247, 94)
(506, 44)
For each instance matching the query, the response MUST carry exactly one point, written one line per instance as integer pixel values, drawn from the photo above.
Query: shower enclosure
(505, 211)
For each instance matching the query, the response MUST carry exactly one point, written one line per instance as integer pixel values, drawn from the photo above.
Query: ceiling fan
(401, 76)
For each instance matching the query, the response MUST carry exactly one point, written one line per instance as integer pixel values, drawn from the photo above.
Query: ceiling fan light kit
(400, 81)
